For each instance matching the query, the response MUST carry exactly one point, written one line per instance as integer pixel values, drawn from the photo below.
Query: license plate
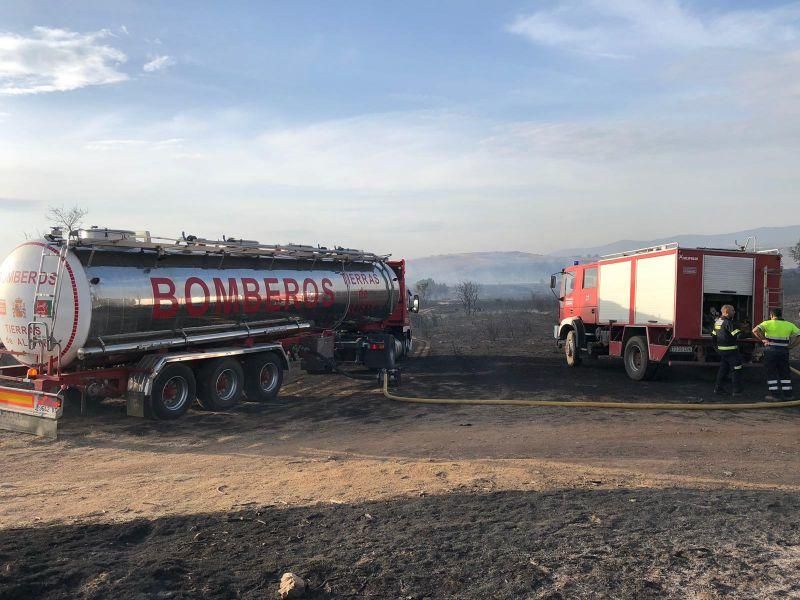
(681, 349)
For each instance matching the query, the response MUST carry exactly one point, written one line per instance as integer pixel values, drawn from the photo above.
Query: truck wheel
(400, 348)
(637, 359)
(173, 392)
(571, 350)
(263, 377)
(220, 383)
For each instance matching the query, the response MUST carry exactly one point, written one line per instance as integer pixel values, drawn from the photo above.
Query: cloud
(133, 143)
(490, 184)
(158, 63)
(628, 28)
(57, 60)
(12, 204)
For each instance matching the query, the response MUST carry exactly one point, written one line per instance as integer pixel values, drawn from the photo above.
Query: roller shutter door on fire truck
(727, 275)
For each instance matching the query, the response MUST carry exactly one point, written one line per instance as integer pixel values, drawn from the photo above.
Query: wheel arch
(570, 324)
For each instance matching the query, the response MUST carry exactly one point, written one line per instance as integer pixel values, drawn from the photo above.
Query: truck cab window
(569, 283)
(590, 278)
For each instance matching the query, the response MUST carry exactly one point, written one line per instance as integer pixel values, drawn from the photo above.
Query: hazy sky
(407, 127)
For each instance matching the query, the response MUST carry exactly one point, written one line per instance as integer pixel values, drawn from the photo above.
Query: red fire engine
(657, 305)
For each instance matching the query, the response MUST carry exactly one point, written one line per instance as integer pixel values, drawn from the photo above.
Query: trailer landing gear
(394, 377)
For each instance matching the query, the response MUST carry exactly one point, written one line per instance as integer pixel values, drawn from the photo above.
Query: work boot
(736, 392)
(720, 391)
(771, 398)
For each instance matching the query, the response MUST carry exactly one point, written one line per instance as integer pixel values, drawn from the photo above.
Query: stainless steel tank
(135, 294)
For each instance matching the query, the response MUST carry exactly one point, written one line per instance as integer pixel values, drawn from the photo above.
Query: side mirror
(415, 304)
(552, 282)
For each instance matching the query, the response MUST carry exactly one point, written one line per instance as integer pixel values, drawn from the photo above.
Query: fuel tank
(94, 297)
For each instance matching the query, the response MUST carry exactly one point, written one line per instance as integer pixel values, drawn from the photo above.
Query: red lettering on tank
(51, 279)
(252, 297)
(227, 301)
(270, 294)
(291, 287)
(308, 299)
(193, 308)
(160, 297)
(327, 291)
(17, 276)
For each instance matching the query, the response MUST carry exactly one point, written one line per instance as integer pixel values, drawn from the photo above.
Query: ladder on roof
(41, 327)
(773, 291)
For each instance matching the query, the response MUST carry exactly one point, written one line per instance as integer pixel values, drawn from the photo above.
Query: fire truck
(657, 305)
(100, 313)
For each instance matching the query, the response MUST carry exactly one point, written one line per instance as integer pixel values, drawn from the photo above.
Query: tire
(220, 383)
(402, 344)
(173, 392)
(263, 377)
(571, 351)
(637, 359)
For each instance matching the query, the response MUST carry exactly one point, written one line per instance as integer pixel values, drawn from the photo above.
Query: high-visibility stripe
(772, 381)
(737, 367)
(727, 347)
(773, 388)
(787, 388)
(736, 331)
(16, 398)
(786, 381)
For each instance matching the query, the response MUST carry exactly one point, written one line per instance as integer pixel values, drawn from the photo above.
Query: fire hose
(591, 404)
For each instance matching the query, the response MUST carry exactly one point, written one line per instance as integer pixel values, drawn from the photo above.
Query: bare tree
(69, 219)
(468, 293)
(796, 252)
(423, 287)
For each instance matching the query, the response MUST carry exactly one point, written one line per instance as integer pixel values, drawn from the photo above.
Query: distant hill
(767, 237)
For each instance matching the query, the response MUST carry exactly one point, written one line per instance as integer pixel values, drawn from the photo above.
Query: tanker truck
(97, 313)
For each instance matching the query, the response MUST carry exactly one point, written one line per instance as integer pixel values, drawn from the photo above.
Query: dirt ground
(366, 497)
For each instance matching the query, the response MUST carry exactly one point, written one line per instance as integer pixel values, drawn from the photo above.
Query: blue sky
(414, 128)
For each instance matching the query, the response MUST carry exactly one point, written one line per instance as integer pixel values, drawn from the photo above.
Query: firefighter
(725, 336)
(779, 337)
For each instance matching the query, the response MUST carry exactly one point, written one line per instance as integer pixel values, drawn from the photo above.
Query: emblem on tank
(19, 309)
(43, 308)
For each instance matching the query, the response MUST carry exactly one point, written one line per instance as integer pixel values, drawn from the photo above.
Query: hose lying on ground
(587, 404)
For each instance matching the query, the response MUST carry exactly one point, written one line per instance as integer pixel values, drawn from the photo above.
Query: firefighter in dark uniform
(779, 337)
(726, 336)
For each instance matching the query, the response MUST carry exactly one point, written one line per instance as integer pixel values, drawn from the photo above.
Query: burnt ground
(371, 498)
(673, 543)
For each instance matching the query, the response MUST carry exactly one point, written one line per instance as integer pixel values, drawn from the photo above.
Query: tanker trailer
(121, 313)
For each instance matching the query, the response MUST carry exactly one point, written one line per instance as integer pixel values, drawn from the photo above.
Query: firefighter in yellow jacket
(779, 337)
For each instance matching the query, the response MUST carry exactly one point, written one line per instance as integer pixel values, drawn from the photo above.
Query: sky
(412, 128)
